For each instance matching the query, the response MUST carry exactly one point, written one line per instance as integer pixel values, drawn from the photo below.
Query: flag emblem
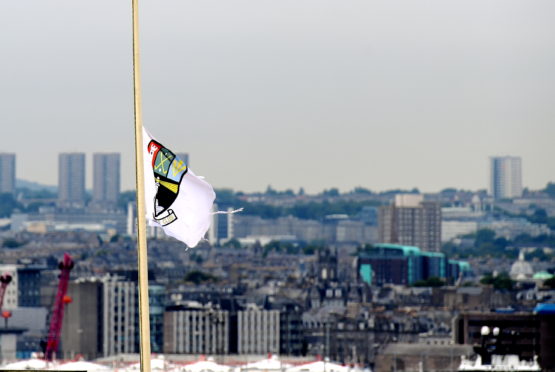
(168, 172)
(176, 199)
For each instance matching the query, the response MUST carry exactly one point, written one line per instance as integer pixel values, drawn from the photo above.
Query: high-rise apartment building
(221, 228)
(7, 173)
(411, 221)
(71, 180)
(106, 179)
(505, 177)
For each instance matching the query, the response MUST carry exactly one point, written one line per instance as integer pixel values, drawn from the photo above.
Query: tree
(501, 282)
(198, 277)
(430, 282)
(233, 243)
(7, 205)
(11, 243)
(550, 189)
(362, 190)
(331, 192)
(126, 197)
(550, 283)
(484, 236)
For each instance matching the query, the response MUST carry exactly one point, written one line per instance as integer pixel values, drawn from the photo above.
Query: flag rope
(142, 254)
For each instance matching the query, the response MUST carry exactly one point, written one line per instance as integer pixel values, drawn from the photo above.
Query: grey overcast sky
(289, 93)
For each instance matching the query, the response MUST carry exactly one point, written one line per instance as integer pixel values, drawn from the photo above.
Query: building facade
(71, 180)
(7, 173)
(196, 330)
(103, 318)
(505, 177)
(258, 331)
(106, 179)
(11, 298)
(411, 221)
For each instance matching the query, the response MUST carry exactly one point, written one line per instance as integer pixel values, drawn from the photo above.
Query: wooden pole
(142, 255)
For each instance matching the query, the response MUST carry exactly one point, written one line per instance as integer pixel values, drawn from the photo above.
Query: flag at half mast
(176, 199)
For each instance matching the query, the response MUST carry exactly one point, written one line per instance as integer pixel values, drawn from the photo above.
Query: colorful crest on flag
(168, 172)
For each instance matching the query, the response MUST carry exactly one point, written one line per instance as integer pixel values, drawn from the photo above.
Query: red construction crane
(4, 281)
(62, 299)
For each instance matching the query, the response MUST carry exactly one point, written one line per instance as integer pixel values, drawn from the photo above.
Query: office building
(71, 180)
(401, 264)
(106, 179)
(258, 331)
(29, 278)
(103, 318)
(196, 329)
(526, 334)
(505, 177)
(7, 173)
(411, 221)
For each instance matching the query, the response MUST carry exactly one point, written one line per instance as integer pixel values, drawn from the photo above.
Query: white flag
(176, 199)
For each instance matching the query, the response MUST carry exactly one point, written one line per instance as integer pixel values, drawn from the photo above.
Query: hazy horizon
(314, 94)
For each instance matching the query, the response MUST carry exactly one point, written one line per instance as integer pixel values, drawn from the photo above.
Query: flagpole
(144, 321)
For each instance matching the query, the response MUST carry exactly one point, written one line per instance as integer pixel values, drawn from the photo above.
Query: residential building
(29, 278)
(258, 331)
(103, 318)
(194, 328)
(221, 228)
(106, 179)
(7, 173)
(71, 180)
(411, 221)
(505, 177)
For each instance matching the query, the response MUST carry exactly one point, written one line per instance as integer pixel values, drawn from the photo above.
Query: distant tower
(71, 180)
(7, 173)
(505, 177)
(221, 229)
(106, 179)
(411, 221)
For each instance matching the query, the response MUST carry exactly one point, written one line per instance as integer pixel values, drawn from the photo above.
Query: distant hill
(34, 186)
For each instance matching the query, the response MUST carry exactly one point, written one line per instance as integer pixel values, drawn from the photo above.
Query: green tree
(430, 282)
(198, 277)
(550, 189)
(233, 243)
(11, 243)
(7, 205)
(331, 192)
(501, 282)
(550, 283)
(126, 197)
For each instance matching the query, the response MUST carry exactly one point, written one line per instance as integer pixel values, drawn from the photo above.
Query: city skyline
(92, 176)
(315, 94)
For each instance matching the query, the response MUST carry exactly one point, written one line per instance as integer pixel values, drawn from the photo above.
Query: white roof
(272, 363)
(205, 366)
(80, 365)
(158, 363)
(27, 364)
(319, 366)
